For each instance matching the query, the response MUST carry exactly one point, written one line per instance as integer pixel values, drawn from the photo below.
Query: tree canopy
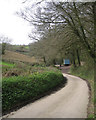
(64, 29)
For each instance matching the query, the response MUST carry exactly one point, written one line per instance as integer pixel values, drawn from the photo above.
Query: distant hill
(23, 49)
(15, 56)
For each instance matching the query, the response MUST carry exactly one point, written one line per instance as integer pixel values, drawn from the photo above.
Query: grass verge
(86, 72)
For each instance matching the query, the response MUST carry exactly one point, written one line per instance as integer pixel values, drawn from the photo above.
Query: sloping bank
(86, 72)
(18, 91)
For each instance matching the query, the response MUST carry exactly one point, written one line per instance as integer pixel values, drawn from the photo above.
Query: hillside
(15, 56)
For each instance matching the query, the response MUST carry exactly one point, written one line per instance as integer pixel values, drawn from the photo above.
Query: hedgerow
(23, 88)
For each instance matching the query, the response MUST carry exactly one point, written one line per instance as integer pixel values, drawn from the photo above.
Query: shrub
(23, 88)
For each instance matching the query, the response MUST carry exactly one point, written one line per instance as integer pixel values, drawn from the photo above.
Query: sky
(11, 25)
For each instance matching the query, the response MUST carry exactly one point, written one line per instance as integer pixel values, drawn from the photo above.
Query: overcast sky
(12, 25)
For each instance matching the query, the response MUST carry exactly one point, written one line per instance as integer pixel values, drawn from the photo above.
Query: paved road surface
(69, 102)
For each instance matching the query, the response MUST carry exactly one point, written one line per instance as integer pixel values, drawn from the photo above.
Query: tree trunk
(3, 48)
(83, 36)
(44, 60)
(61, 61)
(94, 15)
(54, 61)
(74, 63)
(78, 57)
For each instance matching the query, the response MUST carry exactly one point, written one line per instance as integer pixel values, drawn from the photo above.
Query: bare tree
(77, 21)
(4, 42)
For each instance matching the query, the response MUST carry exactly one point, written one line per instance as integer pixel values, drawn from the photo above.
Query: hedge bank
(17, 90)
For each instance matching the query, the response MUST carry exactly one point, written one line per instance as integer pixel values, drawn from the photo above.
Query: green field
(27, 47)
(7, 64)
